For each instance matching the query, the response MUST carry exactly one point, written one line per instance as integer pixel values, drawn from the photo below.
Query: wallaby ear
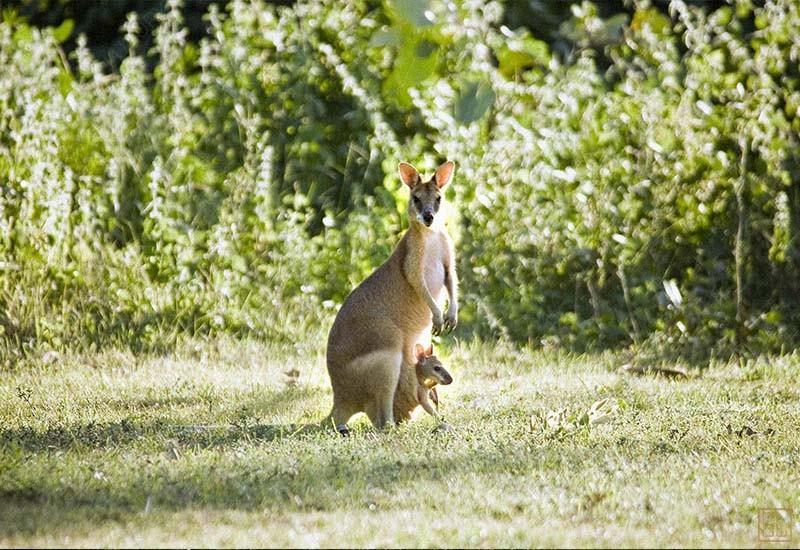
(419, 352)
(429, 351)
(408, 174)
(444, 173)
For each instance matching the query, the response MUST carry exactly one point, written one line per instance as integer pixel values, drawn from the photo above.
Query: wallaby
(418, 387)
(374, 333)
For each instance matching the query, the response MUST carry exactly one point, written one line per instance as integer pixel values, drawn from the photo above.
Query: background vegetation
(629, 179)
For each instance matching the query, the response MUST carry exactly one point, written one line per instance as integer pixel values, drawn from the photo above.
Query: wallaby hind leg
(384, 405)
(384, 398)
(376, 374)
(379, 413)
(386, 373)
(380, 410)
(371, 410)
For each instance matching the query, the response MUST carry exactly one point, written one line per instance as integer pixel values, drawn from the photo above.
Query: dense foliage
(100, 22)
(250, 181)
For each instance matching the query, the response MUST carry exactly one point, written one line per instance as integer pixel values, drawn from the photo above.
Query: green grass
(202, 448)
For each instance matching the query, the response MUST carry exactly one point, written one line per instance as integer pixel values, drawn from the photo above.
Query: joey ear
(408, 174)
(429, 351)
(419, 352)
(444, 173)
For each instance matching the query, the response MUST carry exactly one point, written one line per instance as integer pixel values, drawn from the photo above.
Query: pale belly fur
(434, 269)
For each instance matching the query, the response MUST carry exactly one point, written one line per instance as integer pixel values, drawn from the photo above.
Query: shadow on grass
(310, 469)
(309, 482)
(126, 432)
(100, 435)
(266, 401)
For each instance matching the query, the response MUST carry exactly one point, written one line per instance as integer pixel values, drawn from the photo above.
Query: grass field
(206, 448)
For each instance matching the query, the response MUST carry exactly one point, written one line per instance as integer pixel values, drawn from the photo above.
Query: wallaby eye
(437, 369)
(417, 202)
(438, 200)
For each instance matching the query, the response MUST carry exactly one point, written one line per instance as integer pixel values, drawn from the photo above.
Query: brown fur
(372, 339)
(417, 387)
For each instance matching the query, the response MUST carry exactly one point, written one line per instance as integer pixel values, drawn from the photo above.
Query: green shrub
(248, 183)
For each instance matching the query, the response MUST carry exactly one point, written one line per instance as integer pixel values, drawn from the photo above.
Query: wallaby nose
(427, 217)
(447, 380)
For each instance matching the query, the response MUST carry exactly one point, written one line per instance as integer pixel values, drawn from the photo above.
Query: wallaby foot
(339, 417)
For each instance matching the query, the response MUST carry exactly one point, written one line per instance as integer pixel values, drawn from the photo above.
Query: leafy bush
(248, 183)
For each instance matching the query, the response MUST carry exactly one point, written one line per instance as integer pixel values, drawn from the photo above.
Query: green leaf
(474, 101)
(721, 17)
(63, 31)
(520, 53)
(23, 34)
(652, 18)
(615, 25)
(425, 48)
(64, 82)
(415, 12)
(385, 37)
(414, 64)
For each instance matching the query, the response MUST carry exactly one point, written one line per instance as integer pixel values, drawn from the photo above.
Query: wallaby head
(430, 371)
(426, 197)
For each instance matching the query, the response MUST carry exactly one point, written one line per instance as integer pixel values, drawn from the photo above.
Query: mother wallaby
(376, 329)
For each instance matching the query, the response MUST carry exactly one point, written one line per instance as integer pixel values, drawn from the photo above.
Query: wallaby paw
(450, 321)
(438, 323)
(343, 430)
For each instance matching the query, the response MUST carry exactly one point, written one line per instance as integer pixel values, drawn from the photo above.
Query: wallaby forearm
(450, 275)
(429, 409)
(426, 404)
(451, 283)
(426, 295)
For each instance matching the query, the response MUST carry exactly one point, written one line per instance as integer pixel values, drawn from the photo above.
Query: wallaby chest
(434, 258)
